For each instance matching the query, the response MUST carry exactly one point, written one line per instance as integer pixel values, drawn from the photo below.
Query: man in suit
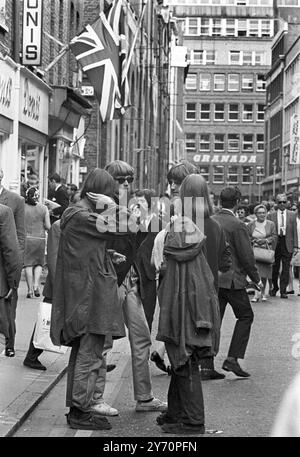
(10, 265)
(286, 229)
(17, 204)
(232, 284)
(59, 195)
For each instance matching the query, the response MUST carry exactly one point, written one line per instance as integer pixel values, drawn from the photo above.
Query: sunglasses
(122, 179)
(283, 201)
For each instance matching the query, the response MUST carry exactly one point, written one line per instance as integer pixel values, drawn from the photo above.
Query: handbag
(295, 262)
(264, 254)
(41, 338)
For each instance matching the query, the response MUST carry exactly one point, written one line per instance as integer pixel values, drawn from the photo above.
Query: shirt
(281, 226)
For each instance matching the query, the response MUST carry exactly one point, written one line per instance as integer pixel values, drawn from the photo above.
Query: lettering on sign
(224, 158)
(5, 91)
(32, 32)
(32, 102)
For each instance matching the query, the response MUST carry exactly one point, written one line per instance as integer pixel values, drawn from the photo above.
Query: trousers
(283, 256)
(11, 309)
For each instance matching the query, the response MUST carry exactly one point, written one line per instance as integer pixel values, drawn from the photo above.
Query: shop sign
(32, 32)
(294, 140)
(7, 78)
(87, 91)
(224, 158)
(34, 105)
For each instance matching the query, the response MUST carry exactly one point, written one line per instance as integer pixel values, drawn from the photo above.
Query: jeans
(139, 336)
(84, 365)
(11, 309)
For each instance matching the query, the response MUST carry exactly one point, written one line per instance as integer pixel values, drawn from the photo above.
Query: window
(266, 28)
(219, 142)
(204, 142)
(233, 141)
(247, 175)
(247, 83)
(242, 27)
(191, 81)
(232, 175)
(205, 81)
(253, 27)
(247, 143)
(233, 112)
(190, 111)
(219, 82)
(204, 171)
(260, 113)
(260, 142)
(204, 26)
(260, 58)
(197, 57)
(233, 82)
(260, 83)
(247, 112)
(260, 174)
(235, 58)
(230, 27)
(190, 142)
(247, 58)
(204, 112)
(210, 57)
(219, 112)
(216, 27)
(218, 176)
(192, 27)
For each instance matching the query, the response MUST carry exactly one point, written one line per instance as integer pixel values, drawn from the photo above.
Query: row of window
(232, 175)
(243, 2)
(217, 82)
(204, 26)
(218, 141)
(210, 57)
(216, 112)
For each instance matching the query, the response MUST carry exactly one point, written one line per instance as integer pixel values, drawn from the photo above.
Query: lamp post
(274, 171)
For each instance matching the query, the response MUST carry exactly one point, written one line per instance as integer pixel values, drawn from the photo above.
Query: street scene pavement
(32, 403)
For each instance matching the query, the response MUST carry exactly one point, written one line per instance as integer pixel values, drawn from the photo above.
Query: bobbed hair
(119, 168)
(98, 181)
(181, 170)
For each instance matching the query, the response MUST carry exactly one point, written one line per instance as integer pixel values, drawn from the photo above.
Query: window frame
(220, 142)
(244, 111)
(191, 150)
(215, 112)
(201, 111)
(222, 174)
(201, 75)
(258, 113)
(238, 82)
(186, 111)
(244, 142)
(187, 78)
(223, 80)
(230, 111)
(207, 142)
(233, 174)
(250, 174)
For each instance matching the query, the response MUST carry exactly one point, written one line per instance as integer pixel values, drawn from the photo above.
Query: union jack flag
(97, 49)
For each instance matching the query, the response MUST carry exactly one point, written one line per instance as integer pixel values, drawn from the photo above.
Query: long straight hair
(98, 181)
(196, 186)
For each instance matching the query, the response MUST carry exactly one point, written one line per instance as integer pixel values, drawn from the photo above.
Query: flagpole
(62, 52)
(134, 42)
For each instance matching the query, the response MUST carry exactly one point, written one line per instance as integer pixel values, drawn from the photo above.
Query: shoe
(273, 292)
(154, 405)
(86, 420)
(103, 409)
(263, 298)
(164, 418)
(291, 292)
(208, 373)
(183, 429)
(110, 367)
(284, 295)
(9, 352)
(235, 367)
(36, 292)
(36, 365)
(156, 358)
(254, 300)
(29, 295)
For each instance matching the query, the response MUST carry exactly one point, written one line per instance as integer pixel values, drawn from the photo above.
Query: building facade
(222, 109)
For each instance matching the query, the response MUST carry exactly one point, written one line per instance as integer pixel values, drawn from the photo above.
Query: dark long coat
(85, 296)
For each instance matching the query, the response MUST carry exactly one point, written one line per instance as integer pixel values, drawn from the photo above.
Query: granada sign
(224, 158)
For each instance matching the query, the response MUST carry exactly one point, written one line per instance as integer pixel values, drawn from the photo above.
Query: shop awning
(6, 125)
(68, 105)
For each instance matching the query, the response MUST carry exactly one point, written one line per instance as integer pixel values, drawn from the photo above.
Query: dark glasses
(122, 179)
(282, 201)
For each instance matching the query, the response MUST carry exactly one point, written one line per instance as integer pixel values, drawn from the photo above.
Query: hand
(8, 294)
(260, 284)
(118, 258)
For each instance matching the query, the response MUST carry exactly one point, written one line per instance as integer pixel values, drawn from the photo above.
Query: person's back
(34, 220)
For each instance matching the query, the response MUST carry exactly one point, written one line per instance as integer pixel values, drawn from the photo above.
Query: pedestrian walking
(295, 262)
(262, 234)
(10, 266)
(17, 205)
(232, 284)
(85, 305)
(286, 229)
(177, 173)
(37, 223)
(58, 194)
(189, 318)
(129, 282)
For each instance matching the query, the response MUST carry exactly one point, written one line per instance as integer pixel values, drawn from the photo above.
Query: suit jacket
(291, 238)
(17, 205)
(271, 235)
(62, 198)
(10, 259)
(243, 261)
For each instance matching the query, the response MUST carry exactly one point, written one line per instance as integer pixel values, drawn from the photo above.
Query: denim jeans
(139, 336)
(83, 370)
(101, 379)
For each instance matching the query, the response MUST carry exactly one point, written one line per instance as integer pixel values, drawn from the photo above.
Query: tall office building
(222, 107)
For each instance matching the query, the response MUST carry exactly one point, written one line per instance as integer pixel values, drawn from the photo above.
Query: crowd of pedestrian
(114, 253)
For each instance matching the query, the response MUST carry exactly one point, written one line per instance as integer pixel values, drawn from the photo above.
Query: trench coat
(85, 296)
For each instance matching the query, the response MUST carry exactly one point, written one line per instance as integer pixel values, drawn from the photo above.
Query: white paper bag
(41, 339)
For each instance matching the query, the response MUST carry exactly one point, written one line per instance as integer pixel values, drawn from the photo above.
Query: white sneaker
(103, 409)
(154, 405)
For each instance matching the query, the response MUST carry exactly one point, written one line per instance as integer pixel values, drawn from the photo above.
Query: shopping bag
(264, 255)
(41, 339)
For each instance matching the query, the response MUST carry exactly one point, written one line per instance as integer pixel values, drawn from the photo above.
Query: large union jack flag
(98, 50)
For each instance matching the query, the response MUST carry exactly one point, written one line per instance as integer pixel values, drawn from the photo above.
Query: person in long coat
(85, 301)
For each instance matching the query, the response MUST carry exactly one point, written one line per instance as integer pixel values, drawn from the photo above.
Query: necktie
(282, 223)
